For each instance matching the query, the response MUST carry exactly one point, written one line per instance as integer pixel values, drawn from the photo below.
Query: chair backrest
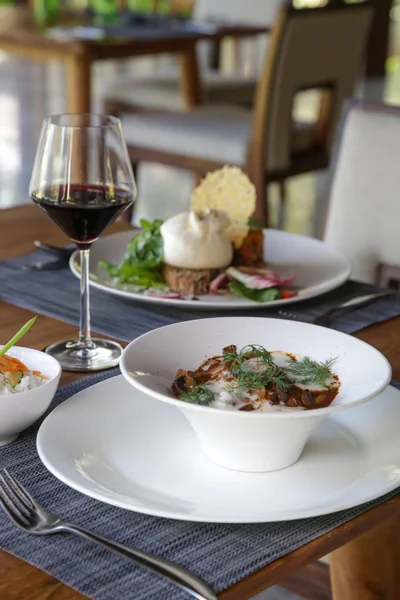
(313, 48)
(249, 12)
(363, 212)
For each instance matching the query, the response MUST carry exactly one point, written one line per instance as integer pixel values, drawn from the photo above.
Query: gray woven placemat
(56, 294)
(221, 554)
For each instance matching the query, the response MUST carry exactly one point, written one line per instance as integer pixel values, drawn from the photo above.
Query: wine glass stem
(84, 327)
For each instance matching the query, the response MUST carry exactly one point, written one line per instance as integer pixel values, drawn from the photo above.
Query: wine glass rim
(105, 121)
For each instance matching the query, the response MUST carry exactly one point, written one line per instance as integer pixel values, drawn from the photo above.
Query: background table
(365, 552)
(20, 36)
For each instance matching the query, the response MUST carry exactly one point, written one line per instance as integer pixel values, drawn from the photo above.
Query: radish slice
(259, 281)
(219, 282)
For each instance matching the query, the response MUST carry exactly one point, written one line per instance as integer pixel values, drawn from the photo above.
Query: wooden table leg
(368, 567)
(191, 87)
(190, 81)
(379, 39)
(214, 58)
(79, 83)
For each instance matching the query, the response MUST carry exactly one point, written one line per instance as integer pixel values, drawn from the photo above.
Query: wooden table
(20, 36)
(365, 555)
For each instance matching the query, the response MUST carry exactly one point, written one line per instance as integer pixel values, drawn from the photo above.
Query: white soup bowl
(20, 410)
(252, 441)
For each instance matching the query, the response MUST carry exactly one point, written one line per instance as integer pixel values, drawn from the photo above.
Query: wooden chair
(318, 48)
(161, 92)
(363, 214)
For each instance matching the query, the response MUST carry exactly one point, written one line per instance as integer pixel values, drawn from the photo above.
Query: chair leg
(262, 208)
(282, 204)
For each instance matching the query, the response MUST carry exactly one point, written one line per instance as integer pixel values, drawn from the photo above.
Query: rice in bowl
(14, 382)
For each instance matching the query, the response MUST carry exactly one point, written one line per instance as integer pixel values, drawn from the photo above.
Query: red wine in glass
(87, 211)
(82, 179)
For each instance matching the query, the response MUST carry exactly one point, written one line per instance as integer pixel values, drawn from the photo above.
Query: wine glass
(82, 178)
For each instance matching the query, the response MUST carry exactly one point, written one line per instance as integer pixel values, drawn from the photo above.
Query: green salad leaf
(146, 248)
(266, 295)
(141, 264)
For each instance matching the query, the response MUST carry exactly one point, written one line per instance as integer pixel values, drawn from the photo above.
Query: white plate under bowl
(318, 269)
(119, 446)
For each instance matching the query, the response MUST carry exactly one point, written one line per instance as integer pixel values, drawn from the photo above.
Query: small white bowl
(20, 410)
(252, 441)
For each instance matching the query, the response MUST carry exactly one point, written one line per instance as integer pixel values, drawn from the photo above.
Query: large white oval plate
(318, 269)
(119, 446)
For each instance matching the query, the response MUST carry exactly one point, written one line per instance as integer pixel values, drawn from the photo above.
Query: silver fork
(30, 516)
(330, 314)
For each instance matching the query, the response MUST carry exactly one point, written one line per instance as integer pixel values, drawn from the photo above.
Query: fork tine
(9, 507)
(21, 492)
(13, 497)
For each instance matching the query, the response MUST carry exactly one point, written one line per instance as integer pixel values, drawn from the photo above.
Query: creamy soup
(255, 379)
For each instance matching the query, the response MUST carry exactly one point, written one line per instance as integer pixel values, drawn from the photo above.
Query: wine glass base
(74, 356)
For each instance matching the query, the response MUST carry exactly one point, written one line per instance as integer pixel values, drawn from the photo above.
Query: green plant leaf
(17, 336)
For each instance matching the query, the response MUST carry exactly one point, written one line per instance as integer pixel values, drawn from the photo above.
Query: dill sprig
(198, 395)
(279, 378)
(248, 379)
(229, 355)
(255, 380)
(235, 361)
(259, 352)
(309, 372)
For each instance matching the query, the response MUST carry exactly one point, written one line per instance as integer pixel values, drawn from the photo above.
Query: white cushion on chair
(218, 133)
(162, 92)
(364, 210)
